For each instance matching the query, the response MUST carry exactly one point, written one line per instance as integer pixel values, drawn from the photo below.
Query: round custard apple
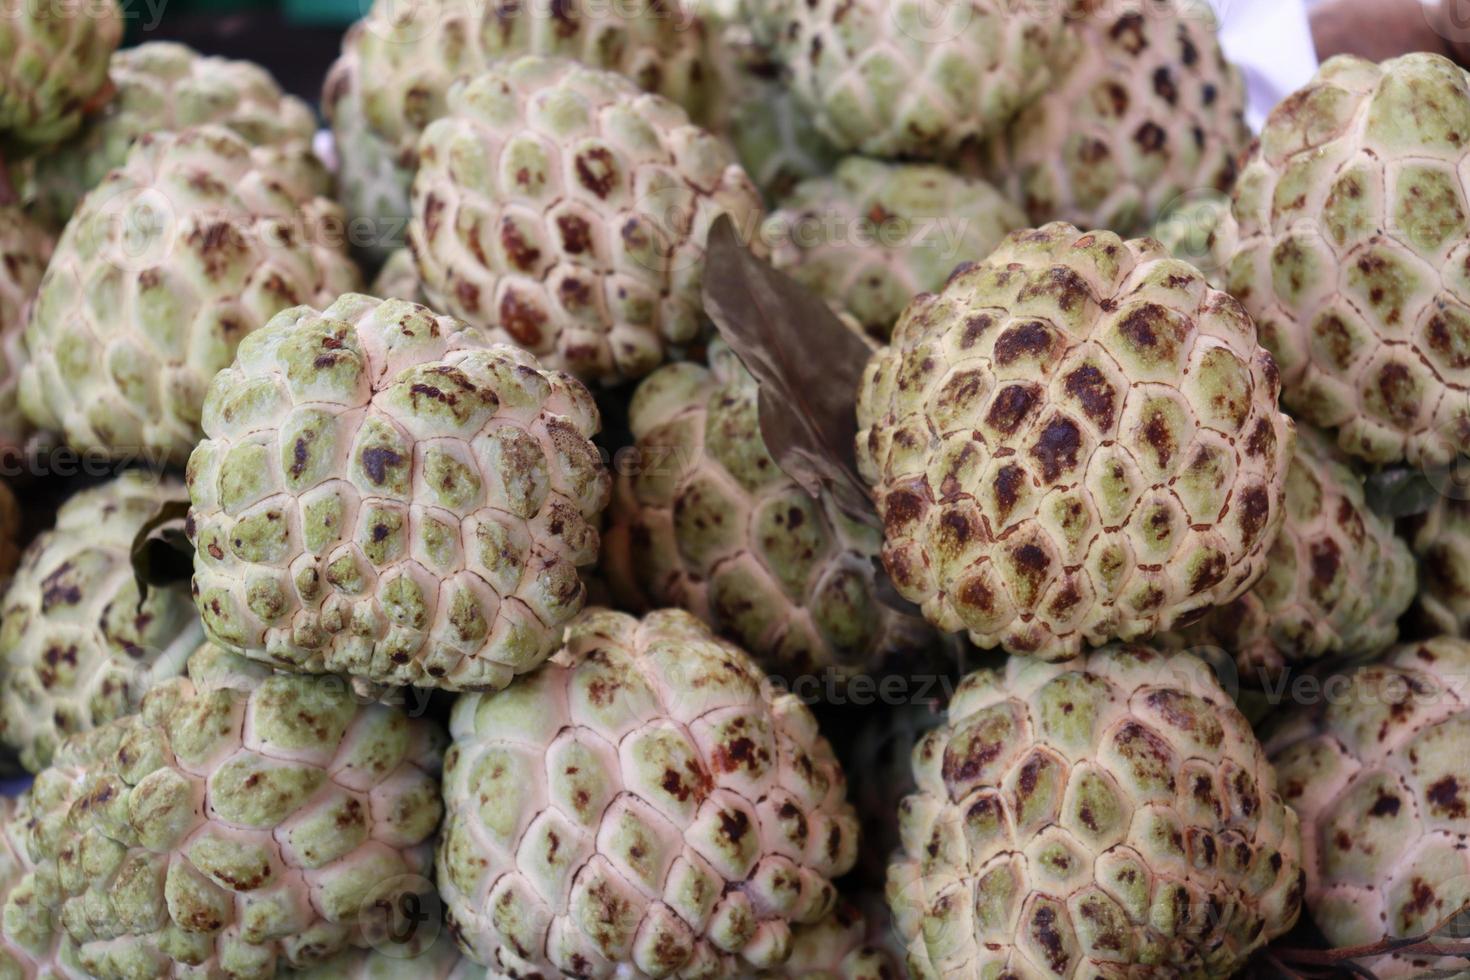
(1440, 539)
(165, 87)
(77, 648)
(25, 249)
(1076, 440)
(53, 67)
(1353, 251)
(195, 242)
(1199, 230)
(889, 78)
(874, 235)
(1337, 578)
(32, 943)
(412, 53)
(240, 821)
(399, 279)
(1110, 816)
(840, 946)
(1375, 768)
(642, 806)
(563, 209)
(708, 521)
(1144, 110)
(372, 182)
(383, 493)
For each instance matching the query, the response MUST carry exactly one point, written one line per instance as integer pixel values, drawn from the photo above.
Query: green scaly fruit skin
(1353, 255)
(1375, 768)
(1144, 110)
(874, 235)
(25, 249)
(77, 649)
(429, 954)
(165, 87)
(31, 943)
(241, 821)
(199, 239)
(643, 805)
(1337, 577)
(599, 198)
(53, 67)
(383, 493)
(1075, 440)
(1111, 813)
(709, 522)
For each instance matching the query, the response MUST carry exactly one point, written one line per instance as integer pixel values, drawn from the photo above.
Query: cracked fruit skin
(77, 649)
(641, 806)
(1353, 254)
(197, 240)
(1109, 816)
(1375, 768)
(710, 523)
(563, 209)
(53, 67)
(1075, 440)
(382, 492)
(1145, 110)
(240, 821)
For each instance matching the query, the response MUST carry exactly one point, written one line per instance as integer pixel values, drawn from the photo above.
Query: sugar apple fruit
(25, 248)
(399, 279)
(240, 821)
(1144, 110)
(197, 241)
(1110, 816)
(1337, 578)
(76, 647)
(641, 806)
(412, 53)
(53, 67)
(32, 943)
(373, 178)
(892, 79)
(1076, 440)
(837, 947)
(874, 235)
(1354, 239)
(564, 210)
(1375, 768)
(383, 493)
(1198, 228)
(706, 520)
(1440, 539)
(165, 87)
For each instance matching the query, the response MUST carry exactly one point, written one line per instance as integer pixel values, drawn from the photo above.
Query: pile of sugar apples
(801, 489)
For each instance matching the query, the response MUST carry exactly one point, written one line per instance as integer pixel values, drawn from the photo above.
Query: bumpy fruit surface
(1075, 440)
(383, 493)
(874, 235)
(890, 79)
(399, 279)
(708, 521)
(239, 822)
(165, 87)
(1337, 578)
(412, 53)
(32, 943)
(198, 240)
(1105, 817)
(372, 178)
(25, 248)
(1199, 230)
(1376, 771)
(1145, 109)
(76, 648)
(438, 959)
(1440, 539)
(643, 805)
(565, 210)
(53, 66)
(838, 947)
(1354, 241)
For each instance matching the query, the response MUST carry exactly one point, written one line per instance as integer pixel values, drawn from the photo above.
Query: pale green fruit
(382, 492)
(643, 805)
(76, 647)
(841, 946)
(198, 240)
(1353, 251)
(25, 249)
(1075, 440)
(53, 66)
(563, 209)
(32, 943)
(874, 235)
(1109, 816)
(399, 279)
(1199, 230)
(1374, 765)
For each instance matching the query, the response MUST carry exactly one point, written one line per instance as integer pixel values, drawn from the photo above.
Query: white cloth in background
(1271, 41)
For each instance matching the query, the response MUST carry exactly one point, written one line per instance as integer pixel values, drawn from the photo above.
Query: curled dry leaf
(161, 552)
